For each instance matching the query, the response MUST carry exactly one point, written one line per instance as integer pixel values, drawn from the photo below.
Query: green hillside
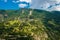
(29, 24)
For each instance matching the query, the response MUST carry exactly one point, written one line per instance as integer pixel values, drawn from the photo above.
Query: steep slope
(29, 24)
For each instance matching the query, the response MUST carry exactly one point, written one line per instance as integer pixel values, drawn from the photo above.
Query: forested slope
(29, 24)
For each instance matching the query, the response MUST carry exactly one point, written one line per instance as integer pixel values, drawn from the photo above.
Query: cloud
(46, 4)
(15, 1)
(5, 0)
(22, 5)
(28, 1)
(56, 8)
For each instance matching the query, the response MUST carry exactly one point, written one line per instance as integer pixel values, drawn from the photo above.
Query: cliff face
(35, 24)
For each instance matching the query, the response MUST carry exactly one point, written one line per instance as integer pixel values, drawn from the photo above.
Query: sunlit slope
(35, 24)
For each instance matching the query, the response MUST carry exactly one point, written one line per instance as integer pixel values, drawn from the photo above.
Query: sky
(50, 5)
(14, 4)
